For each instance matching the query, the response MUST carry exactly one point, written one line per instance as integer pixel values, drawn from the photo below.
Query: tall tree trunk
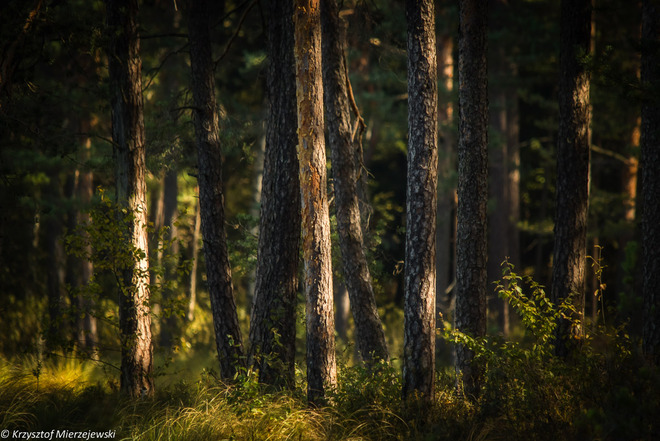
(421, 202)
(345, 172)
(650, 144)
(129, 149)
(445, 264)
(56, 267)
(471, 236)
(569, 261)
(211, 199)
(85, 193)
(194, 255)
(170, 326)
(321, 364)
(273, 317)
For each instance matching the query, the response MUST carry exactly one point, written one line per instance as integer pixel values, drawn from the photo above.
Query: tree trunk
(569, 261)
(273, 318)
(650, 144)
(421, 202)
(345, 172)
(170, 327)
(125, 68)
(445, 263)
(194, 255)
(211, 199)
(321, 365)
(471, 236)
(56, 267)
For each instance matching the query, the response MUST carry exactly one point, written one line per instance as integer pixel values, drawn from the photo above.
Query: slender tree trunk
(321, 365)
(471, 236)
(211, 199)
(170, 327)
(273, 318)
(569, 261)
(345, 172)
(129, 149)
(421, 205)
(56, 268)
(445, 264)
(194, 255)
(650, 143)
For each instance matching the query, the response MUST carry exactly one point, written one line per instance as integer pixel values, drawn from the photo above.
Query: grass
(605, 396)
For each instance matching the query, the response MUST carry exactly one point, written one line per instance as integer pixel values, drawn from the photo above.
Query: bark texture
(129, 149)
(321, 364)
(471, 236)
(273, 319)
(650, 144)
(569, 259)
(421, 202)
(211, 199)
(370, 337)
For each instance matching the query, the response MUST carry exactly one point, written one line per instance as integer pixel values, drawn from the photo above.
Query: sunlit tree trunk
(321, 364)
(228, 338)
(129, 149)
(421, 205)
(471, 237)
(569, 261)
(650, 144)
(370, 337)
(273, 317)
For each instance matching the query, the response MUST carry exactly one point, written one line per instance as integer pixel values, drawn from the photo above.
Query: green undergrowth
(605, 391)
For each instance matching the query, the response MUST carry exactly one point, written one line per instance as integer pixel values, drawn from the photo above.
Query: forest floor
(611, 399)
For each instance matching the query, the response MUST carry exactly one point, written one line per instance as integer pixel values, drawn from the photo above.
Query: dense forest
(323, 219)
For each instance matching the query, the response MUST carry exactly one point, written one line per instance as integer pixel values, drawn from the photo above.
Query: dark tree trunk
(650, 143)
(345, 172)
(129, 149)
(273, 316)
(421, 202)
(321, 365)
(170, 327)
(569, 261)
(471, 236)
(211, 199)
(56, 267)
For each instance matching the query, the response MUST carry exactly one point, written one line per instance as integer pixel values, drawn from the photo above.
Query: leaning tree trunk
(273, 319)
(471, 236)
(211, 199)
(569, 261)
(421, 202)
(125, 68)
(370, 336)
(321, 364)
(650, 159)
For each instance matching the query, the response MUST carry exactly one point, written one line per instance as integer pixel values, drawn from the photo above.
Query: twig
(235, 34)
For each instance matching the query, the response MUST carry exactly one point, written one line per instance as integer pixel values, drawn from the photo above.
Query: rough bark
(569, 259)
(211, 199)
(421, 202)
(370, 337)
(273, 319)
(321, 364)
(650, 145)
(128, 131)
(471, 236)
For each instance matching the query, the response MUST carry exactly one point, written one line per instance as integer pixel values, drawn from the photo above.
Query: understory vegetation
(605, 392)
